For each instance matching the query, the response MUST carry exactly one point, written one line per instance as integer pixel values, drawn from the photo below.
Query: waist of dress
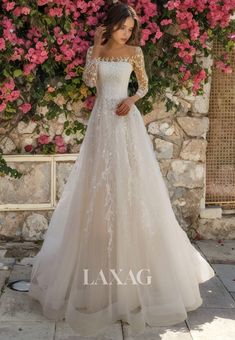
(111, 99)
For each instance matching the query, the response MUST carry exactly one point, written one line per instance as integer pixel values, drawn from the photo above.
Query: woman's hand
(98, 36)
(124, 107)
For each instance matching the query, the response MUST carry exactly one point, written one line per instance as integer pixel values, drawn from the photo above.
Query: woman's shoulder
(134, 49)
(131, 50)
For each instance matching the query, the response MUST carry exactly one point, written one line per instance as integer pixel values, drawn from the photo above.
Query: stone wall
(29, 201)
(27, 133)
(180, 143)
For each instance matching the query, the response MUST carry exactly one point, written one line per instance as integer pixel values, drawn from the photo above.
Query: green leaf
(66, 124)
(6, 73)
(67, 26)
(48, 20)
(17, 73)
(10, 109)
(68, 132)
(30, 78)
(230, 45)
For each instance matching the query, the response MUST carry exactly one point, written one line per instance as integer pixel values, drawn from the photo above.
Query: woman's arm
(92, 58)
(142, 78)
(91, 67)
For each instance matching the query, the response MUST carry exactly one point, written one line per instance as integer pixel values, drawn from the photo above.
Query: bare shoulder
(127, 50)
(134, 50)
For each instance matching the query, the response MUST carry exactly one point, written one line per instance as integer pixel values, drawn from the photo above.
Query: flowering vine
(43, 46)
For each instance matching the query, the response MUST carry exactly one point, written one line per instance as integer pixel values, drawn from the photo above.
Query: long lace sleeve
(139, 69)
(90, 70)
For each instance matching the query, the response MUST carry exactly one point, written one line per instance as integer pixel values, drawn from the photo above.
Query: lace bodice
(111, 75)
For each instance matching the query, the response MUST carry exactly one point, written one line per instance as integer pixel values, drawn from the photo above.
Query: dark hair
(116, 15)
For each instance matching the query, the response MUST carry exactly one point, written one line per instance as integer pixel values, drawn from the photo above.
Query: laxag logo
(115, 278)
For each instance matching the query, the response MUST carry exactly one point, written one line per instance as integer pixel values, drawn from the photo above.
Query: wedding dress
(115, 216)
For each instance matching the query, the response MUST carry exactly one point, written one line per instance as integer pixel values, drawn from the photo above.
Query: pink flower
(27, 68)
(58, 57)
(43, 2)
(186, 76)
(182, 68)
(2, 44)
(187, 59)
(203, 38)
(53, 12)
(25, 107)
(25, 10)
(223, 67)
(145, 33)
(173, 4)
(60, 41)
(18, 54)
(28, 148)
(17, 12)
(89, 102)
(37, 55)
(198, 78)
(186, 51)
(10, 6)
(7, 92)
(158, 34)
(2, 107)
(59, 141)
(92, 21)
(228, 69)
(43, 139)
(225, 56)
(232, 36)
(61, 149)
(13, 96)
(68, 53)
(50, 89)
(166, 22)
(72, 65)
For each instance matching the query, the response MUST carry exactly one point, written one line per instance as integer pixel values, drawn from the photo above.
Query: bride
(114, 249)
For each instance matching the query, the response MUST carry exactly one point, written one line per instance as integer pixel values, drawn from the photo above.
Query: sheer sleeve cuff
(139, 69)
(90, 70)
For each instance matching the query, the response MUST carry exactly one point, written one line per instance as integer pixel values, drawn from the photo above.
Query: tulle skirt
(114, 249)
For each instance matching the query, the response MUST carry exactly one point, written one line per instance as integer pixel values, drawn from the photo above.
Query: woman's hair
(116, 15)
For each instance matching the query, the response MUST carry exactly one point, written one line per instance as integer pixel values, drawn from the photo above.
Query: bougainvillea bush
(43, 45)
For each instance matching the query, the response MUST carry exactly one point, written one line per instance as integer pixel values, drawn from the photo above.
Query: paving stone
(4, 275)
(214, 295)
(64, 332)
(8, 261)
(27, 260)
(20, 272)
(21, 249)
(2, 252)
(226, 273)
(179, 332)
(215, 252)
(213, 320)
(27, 330)
(19, 306)
(212, 324)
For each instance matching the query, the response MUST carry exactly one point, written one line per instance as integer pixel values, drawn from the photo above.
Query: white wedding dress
(115, 216)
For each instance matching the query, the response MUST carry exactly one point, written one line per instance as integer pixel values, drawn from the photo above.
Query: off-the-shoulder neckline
(118, 58)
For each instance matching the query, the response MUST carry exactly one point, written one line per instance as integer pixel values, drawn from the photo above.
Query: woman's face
(122, 35)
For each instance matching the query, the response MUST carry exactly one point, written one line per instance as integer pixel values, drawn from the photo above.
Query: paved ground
(21, 318)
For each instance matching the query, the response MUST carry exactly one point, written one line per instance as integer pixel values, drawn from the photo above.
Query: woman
(114, 249)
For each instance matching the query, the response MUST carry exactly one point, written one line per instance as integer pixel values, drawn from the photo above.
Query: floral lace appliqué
(137, 61)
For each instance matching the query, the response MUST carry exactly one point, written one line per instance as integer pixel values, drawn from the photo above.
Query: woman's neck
(113, 45)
